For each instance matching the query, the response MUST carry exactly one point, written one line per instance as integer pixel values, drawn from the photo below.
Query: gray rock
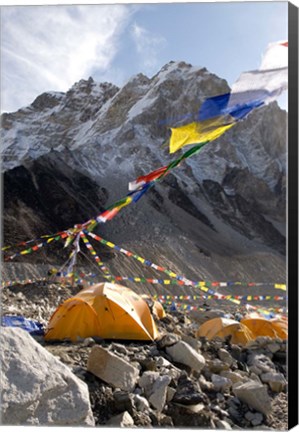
(217, 366)
(170, 394)
(273, 347)
(263, 340)
(119, 348)
(141, 403)
(168, 340)
(193, 342)
(257, 420)
(254, 377)
(124, 401)
(221, 383)
(236, 352)
(183, 353)
(276, 381)
(154, 352)
(155, 388)
(254, 418)
(225, 356)
(234, 376)
(37, 389)
(112, 369)
(222, 424)
(159, 393)
(162, 362)
(89, 342)
(216, 408)
(260, 363)
(255, 395)
(204, 384)
(220, 397)
(234, 413)
(147, 381)
(188, 392)
(121, 420)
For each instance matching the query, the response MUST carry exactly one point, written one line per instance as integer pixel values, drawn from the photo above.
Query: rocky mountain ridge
(67, 156)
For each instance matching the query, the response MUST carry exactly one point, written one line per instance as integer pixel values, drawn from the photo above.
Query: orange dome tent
(223, 327)
(105, 310)
(262, 327)
(159, 310)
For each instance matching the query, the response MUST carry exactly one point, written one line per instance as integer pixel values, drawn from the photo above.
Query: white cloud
(148, 46)
(51, 47)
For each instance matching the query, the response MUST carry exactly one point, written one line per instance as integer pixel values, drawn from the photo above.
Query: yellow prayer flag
(197, 132)
(281, 286)
(235, 301)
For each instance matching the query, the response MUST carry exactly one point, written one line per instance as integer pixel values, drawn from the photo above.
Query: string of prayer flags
(100, 263)
(143, 180)
(198, 283)
(7, 284)
(73, 256)
(153, 176)
(188, 307)
(36, 247)
(156, 267)
(25, 243)
(220, 297)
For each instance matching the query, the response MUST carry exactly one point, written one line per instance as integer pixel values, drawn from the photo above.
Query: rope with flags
(97, 259)
(148, 263)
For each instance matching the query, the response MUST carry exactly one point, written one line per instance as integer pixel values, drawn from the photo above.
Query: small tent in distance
(260, 326)
(224, 327)
(105, 310)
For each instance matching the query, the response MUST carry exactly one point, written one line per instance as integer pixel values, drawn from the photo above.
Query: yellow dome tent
(159, 310)
(262, 327)
(105, 310)
(223, 327)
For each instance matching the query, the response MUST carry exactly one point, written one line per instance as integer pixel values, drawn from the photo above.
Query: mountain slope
(67, 156)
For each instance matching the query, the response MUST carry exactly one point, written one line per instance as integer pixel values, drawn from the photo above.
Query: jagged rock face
(68, 155)
(47, 195)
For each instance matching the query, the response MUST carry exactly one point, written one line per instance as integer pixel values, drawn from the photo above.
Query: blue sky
(49, 48)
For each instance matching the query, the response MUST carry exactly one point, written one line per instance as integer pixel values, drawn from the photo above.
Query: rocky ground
(175, 381)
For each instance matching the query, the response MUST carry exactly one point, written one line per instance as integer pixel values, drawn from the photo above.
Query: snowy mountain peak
(47, 100)
(76, 151)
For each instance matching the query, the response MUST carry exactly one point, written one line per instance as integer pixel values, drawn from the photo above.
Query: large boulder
(159, 394)
(255, 395)
(183, 353)
(155, 388)
(112, 369)
(37, 389)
